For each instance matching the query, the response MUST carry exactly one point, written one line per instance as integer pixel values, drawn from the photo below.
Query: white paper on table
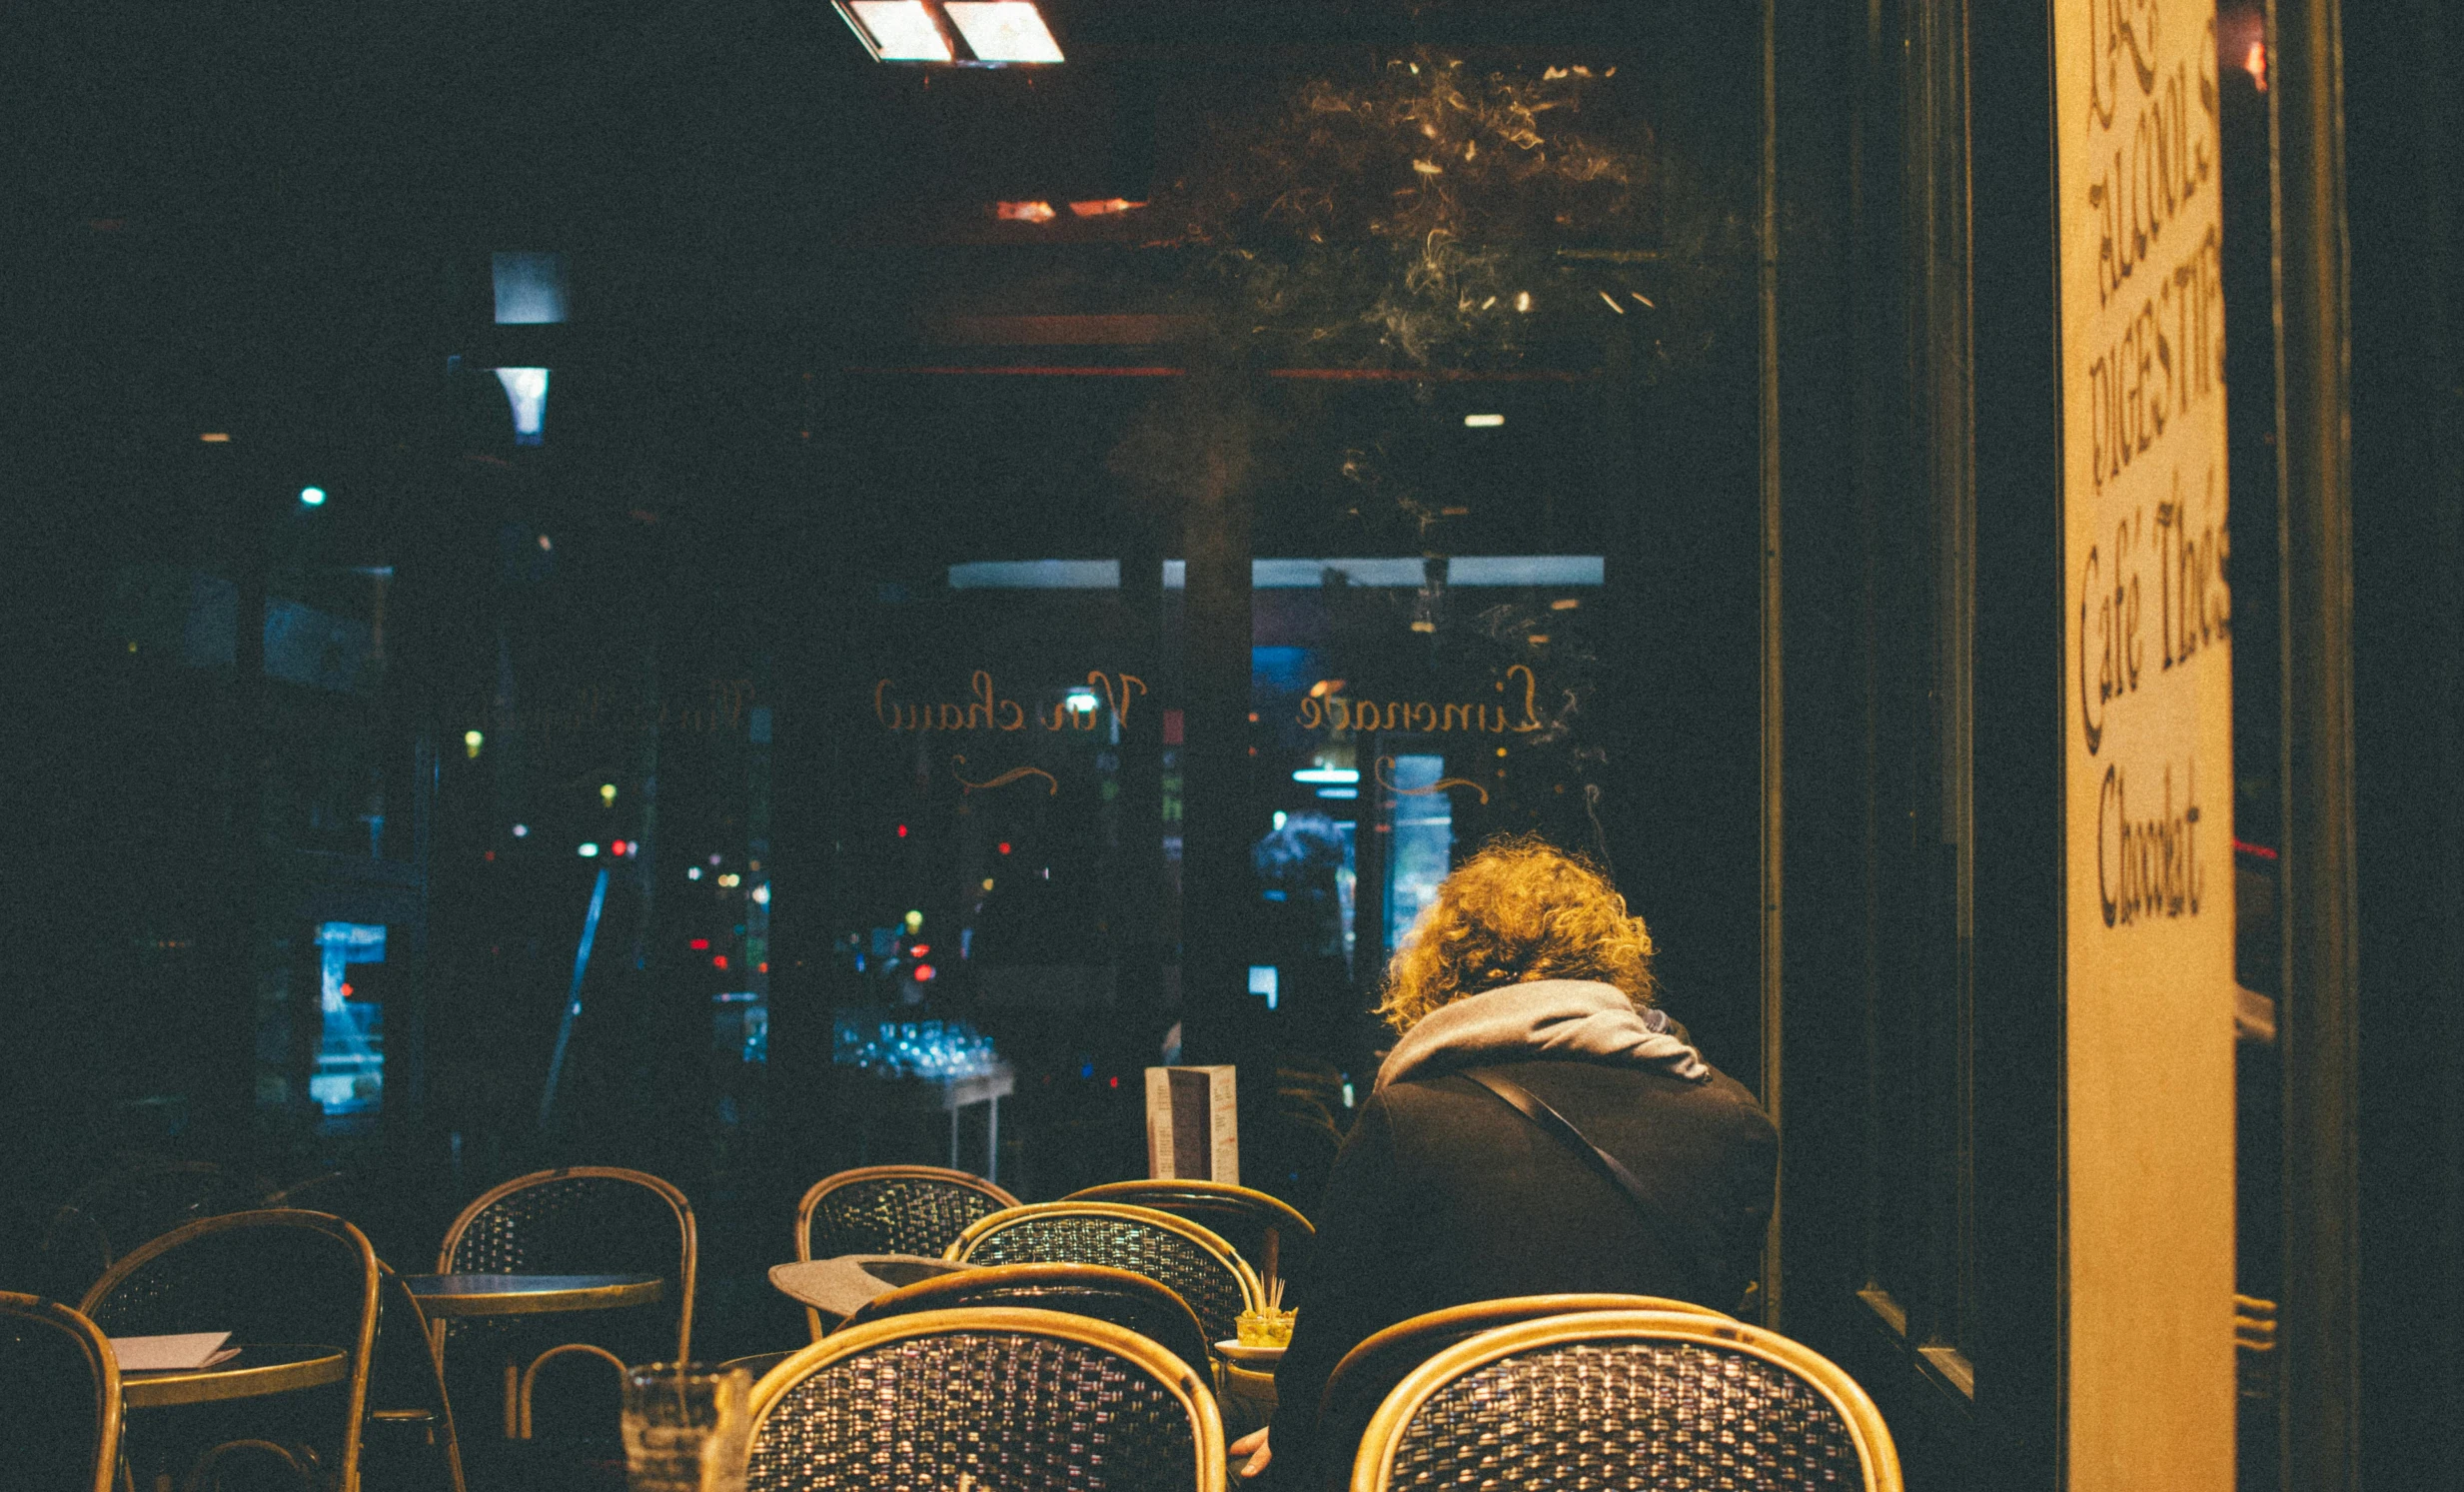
(157, 1354)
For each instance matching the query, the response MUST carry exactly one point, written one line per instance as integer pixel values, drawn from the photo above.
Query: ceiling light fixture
(1003, 31)
(958, 33)
(897, 30)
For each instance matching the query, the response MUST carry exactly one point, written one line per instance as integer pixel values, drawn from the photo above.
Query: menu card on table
(159, 1354)
(1192, 1124)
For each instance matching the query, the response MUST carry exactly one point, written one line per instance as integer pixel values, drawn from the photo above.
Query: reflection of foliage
(1426, 152)
(1424, 211)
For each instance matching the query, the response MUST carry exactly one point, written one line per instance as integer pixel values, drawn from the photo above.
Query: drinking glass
(684, 1427)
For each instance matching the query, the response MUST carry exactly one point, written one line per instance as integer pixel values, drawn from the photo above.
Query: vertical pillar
(1215, 874)
(1139, 911)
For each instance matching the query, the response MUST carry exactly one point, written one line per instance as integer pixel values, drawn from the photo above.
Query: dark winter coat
(1444, 1195)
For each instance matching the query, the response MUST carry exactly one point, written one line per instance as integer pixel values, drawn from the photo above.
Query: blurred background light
(311, 497)
(529, 289)
(526, 388)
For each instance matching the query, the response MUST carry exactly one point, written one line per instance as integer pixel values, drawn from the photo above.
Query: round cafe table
(259, 1371)
(530, 1295)
(475, 1295)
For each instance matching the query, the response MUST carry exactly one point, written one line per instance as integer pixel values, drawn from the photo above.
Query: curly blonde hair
(1519, 909)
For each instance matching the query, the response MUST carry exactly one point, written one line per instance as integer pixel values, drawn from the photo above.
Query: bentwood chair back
(891, 1209)
(112, 1215)
(582, 1219)
(1627, 1398)
(1184, 1257)
(1370, 1372)
(276, 1275)
(1241, 1216)
(59, 1398)
(1130, 1301)
(1021, 1400)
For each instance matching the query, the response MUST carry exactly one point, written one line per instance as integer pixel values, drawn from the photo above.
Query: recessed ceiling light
(897, 30)
(1483, 422)
(1003, 30)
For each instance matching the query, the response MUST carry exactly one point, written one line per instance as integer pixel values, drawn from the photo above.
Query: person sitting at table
(1529, 967)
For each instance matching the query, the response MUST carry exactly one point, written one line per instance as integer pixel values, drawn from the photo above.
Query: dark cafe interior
(1010, 745)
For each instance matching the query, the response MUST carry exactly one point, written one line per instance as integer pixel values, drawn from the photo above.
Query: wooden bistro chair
(891, 1209)
(59, 1398)
(1130, 1301)
(1185, 1257)
(1181, 1255)
(582, 1219)
(269, 1277)
(109, 1217)
(1370, 1372)
(1242, 1216)
(1627, 1398)
(1020, 1400)
(410, 1425)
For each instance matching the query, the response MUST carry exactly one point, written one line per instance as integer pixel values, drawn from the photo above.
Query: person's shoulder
(1730, 1103)
(1718, 1101)
(1415, 1099)
(1435, 1108)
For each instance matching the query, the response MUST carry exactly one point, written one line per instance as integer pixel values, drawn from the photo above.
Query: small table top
(272, 1368)
(530, 1295)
